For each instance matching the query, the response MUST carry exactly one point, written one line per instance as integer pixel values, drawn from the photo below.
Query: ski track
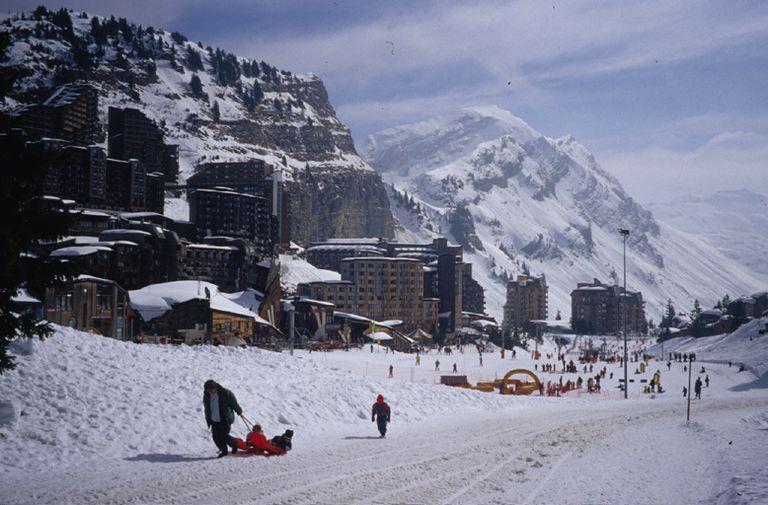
(491, 459)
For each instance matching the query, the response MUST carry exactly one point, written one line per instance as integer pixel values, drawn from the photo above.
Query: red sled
(257, 445)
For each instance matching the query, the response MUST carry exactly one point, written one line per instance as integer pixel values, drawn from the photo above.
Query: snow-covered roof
(22, 296)
(380, 258)
(312, 301)
(364, 240)
(156, 299)
(592, 288)
(346, 247)
(125, 231)
(77, 250)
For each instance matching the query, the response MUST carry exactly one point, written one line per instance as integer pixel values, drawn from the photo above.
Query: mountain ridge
(238, 109)
(520, 201)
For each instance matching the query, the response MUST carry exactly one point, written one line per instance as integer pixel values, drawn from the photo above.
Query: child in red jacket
(257, 443)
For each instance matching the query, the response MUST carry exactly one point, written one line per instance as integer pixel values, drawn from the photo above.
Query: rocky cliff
(215, 105)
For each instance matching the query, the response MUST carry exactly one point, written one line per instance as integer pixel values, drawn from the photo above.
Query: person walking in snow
(437, 365)
(685, 392)
(418, 360)
(455, 370)
(697, 389)
(381, 414)
(391, 371)
(706, 380)
(220, 406)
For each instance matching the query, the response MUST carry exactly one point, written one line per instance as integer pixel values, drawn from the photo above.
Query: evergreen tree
(726, 301)
(194, 62)
(195, 85)
(669, 315)
(215, 113)
(27, 220)
(696, 312)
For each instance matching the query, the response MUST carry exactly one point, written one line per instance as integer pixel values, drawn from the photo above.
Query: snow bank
(745, 345)
(81, 396)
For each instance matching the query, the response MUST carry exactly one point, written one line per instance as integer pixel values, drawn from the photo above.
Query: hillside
(520, 201)
(734, 222)
(240, 109)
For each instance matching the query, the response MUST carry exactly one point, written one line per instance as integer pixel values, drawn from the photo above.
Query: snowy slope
(84, 396)
(734, 222)
(517, 199)
(745, 345)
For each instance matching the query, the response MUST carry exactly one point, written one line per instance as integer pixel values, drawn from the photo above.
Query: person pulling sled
(381, 414)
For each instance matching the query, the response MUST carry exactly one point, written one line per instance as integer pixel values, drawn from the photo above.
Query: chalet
(91, 304)
(196, 312)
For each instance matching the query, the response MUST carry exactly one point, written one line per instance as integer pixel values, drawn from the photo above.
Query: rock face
(241, 109)
(520, 201)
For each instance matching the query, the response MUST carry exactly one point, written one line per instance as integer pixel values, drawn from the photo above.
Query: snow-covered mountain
(518, 200)
(735, 222)
(236, 109)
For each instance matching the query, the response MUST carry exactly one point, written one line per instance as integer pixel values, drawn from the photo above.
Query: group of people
(220, 406)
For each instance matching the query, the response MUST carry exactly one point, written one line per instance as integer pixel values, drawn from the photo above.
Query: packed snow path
(615, 452)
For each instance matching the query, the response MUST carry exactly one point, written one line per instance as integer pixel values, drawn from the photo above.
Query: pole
(625, 234)
(291, 330)
(688, 416)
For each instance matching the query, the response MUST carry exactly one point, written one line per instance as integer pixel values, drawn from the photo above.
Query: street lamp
(625, 234)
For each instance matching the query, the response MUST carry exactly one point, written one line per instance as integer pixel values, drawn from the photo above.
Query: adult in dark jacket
(220, 406)
(381, 414)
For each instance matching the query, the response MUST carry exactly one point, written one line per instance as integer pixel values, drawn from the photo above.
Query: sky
(670, 96)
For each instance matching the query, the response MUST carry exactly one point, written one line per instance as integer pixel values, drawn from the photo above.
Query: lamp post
(625, 234)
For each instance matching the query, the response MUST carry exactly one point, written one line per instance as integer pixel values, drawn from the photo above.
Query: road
(605, 452)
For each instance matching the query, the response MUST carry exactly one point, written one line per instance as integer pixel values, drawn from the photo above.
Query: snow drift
(78, 396)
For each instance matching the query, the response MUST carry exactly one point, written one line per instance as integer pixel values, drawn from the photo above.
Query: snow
(156, 299)
(546, 203)
(745, 345)
(113, 422)
(74, 251)
(294, 271)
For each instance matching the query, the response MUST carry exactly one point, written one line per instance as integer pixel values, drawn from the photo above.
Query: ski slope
(93, 420)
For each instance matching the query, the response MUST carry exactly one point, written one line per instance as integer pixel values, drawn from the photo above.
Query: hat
(288, 434)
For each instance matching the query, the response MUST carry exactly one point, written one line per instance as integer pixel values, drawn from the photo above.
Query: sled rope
(248, 424)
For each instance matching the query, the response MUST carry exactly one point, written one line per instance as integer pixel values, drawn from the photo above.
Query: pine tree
(195, 85)
(215, 113)
(696, 312)
(194, 62)
(669, 315)
(27, 220)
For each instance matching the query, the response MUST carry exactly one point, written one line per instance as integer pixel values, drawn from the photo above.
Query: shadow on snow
(168, 458)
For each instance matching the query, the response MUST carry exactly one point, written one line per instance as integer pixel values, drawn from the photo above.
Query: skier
(391, 371)
(220, 405)
(706, 380)
(697, 389)
(685, 392)
(437, 365)
(418, 360)
(455, 370)
(381, 414)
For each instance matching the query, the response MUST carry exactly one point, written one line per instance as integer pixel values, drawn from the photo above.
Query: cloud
(728, 160)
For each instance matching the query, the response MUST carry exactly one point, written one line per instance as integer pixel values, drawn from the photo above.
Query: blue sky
(670, 96)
